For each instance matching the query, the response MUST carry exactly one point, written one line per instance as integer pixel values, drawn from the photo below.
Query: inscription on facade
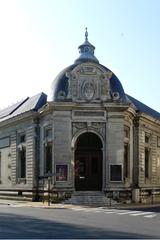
(88, 114)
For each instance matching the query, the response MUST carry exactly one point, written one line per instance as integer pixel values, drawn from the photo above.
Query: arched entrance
(88, 163)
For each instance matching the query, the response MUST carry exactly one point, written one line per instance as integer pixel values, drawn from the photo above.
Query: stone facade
(88, 100)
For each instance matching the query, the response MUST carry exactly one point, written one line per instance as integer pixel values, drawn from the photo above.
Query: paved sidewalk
(15, 203)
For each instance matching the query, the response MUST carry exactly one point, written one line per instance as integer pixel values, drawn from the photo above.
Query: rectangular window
(146, 164)
(48, 133)
(146, 138)
(22, 138)
(22, 161)
(126, 160)
(48, 158)
(116, 172)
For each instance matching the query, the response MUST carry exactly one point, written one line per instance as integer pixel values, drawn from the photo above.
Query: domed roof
(60, 86)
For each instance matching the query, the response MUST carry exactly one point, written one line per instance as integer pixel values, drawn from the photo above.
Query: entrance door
(88, 163)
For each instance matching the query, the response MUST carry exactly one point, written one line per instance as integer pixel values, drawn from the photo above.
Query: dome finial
(86, 51)
(86, 34)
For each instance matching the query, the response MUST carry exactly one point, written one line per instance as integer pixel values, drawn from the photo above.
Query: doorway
(88, 163)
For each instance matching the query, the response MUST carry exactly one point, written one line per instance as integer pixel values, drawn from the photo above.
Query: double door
(88, 171)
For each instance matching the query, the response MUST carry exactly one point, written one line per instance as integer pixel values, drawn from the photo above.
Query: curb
(67, 206)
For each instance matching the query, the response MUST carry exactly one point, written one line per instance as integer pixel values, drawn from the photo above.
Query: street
(78, 222)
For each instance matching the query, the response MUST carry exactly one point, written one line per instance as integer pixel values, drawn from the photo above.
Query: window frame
(148, 164)
(126, 163)
(148, 148)
(67, 172)
(45, 157)
(158, 142)
(48, 138)
(116, 164)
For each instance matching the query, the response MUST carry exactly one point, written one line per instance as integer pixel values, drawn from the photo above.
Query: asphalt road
(78, 223)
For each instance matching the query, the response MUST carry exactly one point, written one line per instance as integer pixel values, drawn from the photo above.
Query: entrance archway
(88, 163)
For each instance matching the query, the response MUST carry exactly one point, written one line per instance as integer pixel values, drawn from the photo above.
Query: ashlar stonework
(91, 137)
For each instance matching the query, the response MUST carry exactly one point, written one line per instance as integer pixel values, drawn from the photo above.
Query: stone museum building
(91, 138)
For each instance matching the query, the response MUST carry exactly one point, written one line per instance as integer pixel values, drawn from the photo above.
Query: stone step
(90, 198)
(88, 193)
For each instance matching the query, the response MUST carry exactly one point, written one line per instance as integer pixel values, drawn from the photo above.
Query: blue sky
(38, 38)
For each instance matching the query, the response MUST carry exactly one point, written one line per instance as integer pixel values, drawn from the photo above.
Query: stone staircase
(90, 198)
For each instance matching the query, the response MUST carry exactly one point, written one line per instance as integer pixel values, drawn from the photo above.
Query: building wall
(129, 126)
(46, 122)
(9, 155)
(5, 166)
(148, 187)
(68, 122)
(62, 146)
(67, 125)
(115, 146)
(153, 132)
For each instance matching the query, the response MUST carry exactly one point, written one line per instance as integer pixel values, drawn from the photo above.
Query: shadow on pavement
(20, 227)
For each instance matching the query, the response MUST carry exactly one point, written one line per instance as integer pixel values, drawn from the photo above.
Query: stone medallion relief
(87, 82)
(88, 90)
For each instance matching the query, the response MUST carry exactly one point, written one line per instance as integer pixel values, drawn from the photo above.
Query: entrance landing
(90, 198)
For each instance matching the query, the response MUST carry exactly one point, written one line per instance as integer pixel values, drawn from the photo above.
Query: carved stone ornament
(61, 95)
(98, 127)
(105, 89)
(88, 90)
(88, 82)
(78, 126)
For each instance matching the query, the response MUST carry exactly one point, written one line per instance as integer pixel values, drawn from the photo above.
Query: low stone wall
(150, 196)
